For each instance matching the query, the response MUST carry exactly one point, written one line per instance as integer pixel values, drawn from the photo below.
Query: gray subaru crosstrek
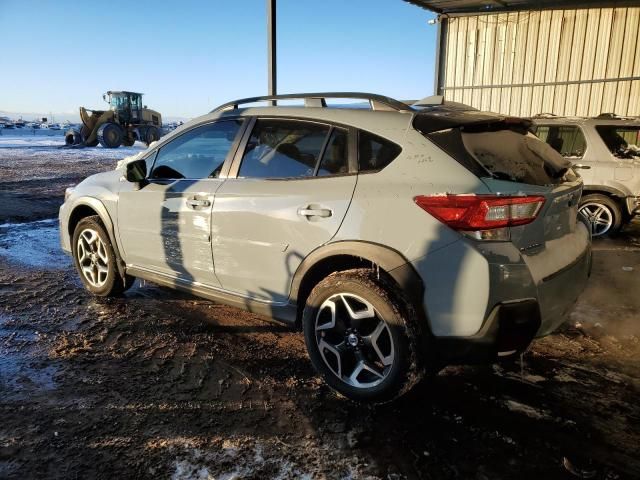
(399, 238)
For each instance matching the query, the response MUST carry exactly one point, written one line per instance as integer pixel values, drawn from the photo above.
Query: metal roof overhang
(453, 7)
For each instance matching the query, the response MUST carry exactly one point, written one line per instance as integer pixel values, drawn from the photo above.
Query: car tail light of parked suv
(483, 217)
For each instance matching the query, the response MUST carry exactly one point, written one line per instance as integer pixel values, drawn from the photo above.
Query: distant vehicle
(6, 122)
(20, 123)
(608, 149)
(401, 240)
(126, 121)
(54, 126)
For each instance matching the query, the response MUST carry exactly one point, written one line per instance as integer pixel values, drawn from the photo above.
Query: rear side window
(283, 149)
(622, 141)
(375, 153)
(567, 140)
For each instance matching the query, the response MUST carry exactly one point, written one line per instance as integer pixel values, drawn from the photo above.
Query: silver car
(399, 238)
(607, 148)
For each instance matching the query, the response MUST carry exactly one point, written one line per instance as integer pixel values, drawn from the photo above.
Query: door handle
(195, 203)
(315, 212)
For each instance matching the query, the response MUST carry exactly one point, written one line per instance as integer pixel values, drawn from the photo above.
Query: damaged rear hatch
(512, 162)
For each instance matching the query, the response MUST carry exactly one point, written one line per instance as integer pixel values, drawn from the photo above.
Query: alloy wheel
(600, 217)
(92, 258)
(354, 341)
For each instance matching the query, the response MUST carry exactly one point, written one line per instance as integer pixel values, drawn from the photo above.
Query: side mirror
(136, 171)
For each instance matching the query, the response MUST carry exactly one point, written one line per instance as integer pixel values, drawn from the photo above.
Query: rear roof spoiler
(434, 121)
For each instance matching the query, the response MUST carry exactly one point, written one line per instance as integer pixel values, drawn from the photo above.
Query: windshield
(622, 141)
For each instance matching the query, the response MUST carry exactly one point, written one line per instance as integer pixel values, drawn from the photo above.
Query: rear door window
(283, 149)
(374, 152)
(622, 141)
(567, 140)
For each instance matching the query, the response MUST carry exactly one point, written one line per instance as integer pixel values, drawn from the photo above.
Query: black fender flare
(388, 259)
(98, 207)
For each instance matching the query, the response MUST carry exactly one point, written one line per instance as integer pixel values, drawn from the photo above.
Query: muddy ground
(161, 385)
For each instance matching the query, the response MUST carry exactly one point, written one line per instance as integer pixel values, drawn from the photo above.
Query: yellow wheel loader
(126, 121)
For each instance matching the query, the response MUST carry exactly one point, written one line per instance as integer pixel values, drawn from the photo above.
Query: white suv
(607, 148)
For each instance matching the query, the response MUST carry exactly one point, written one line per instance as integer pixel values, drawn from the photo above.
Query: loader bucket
(92, 121)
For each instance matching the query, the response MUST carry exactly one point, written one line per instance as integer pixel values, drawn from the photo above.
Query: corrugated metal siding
(550, 61)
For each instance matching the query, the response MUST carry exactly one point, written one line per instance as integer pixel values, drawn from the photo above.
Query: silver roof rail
(376, 102)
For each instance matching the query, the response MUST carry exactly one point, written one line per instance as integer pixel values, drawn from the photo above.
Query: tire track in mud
(162, 384)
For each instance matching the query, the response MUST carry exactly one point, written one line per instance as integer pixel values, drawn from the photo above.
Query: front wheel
(603, 214)
(360, 338)
(95, 259)
(110, 135)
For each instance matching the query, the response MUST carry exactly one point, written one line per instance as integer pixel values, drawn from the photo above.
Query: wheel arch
(614, 194)
(87, 207)
(345, 255)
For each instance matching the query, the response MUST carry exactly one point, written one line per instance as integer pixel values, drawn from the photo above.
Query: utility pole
(271, 46)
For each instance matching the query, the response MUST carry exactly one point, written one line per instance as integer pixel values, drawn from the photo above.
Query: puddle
(36, 244)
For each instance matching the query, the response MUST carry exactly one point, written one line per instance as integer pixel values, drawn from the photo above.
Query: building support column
(271, 48)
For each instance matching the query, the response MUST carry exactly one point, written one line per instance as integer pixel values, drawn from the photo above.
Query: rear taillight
(481, 212)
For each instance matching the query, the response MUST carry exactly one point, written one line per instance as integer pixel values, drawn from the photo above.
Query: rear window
(504, 152)
(374, 152)
(622, 141)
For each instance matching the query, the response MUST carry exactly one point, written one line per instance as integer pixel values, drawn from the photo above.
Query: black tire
(128, 141)
(72, 138)
(610, 211)
(397, 343)
(110, 135)
(152, 135)
(84, 134)
(109, 283)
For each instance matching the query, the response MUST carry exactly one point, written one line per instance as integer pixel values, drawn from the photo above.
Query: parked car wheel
(603, 213)
(95, 259)
(358, 336)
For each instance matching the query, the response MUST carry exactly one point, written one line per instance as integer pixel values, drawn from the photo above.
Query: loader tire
(152, 135)
(110, 135)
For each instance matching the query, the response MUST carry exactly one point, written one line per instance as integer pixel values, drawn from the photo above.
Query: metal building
(528, 57)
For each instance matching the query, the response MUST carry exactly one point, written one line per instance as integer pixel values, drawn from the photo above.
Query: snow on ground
(27, 142)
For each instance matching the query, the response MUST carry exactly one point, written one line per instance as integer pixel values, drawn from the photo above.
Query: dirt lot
(161, 385)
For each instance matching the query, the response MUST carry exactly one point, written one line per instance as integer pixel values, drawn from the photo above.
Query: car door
(165, 225)
(288, 191)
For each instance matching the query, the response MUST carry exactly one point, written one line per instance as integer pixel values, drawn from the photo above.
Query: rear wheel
(152, 135)
(95, 259)
(359, 338)
(603, 213)
(110, 135)
(128, 141)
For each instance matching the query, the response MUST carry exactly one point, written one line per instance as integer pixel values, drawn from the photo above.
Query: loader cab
(127, 105)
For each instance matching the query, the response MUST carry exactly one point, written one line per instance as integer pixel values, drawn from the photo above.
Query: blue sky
(191, 55)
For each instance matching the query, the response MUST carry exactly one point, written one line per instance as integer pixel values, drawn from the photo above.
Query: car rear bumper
(517, 298)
